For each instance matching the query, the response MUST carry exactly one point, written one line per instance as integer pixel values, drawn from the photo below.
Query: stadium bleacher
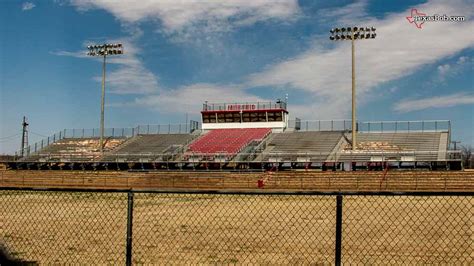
(75, 149)
(307, 146)
(250, 135)
(149, 147)
(312, 145)
(226, 138)
(416, 146)
(227, 141)
(320, 146)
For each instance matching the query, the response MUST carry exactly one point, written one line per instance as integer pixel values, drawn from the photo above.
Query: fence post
(337, 260)
(128, 260)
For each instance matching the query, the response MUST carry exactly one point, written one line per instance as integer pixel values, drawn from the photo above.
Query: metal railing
(247, 106)
(372, 126)
(180, 156)
(70, 226)
(304, 125)
(77, 133)
(130, 132)
(39, 145)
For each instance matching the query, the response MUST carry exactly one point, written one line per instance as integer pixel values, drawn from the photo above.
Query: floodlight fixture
(353, 34)
(104, 50)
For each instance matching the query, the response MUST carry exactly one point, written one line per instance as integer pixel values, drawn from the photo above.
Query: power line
(41, 135)
(7, 137)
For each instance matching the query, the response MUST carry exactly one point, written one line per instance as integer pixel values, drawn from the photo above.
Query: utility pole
(352, 34)
(24, 136)
(104, 50)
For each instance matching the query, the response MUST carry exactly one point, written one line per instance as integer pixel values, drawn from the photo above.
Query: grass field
(90, 228)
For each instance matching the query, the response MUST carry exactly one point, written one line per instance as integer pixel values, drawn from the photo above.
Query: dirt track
(323, 181)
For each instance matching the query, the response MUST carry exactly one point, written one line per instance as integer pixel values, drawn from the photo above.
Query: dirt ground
(90, 228)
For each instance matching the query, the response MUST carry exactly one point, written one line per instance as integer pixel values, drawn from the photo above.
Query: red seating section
(227, 141)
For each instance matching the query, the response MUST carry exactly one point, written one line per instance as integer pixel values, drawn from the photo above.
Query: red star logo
(411, 19)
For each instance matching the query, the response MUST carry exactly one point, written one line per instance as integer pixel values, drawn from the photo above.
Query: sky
(179, 54)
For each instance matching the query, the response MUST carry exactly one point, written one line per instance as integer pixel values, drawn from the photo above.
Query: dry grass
(86, 228)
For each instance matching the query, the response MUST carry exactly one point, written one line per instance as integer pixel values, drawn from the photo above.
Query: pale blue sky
(179, 55)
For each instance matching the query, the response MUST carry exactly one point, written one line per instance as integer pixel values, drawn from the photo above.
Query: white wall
(208, 126)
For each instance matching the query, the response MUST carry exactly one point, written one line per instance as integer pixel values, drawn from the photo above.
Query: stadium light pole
(104, 50)
(352, 34)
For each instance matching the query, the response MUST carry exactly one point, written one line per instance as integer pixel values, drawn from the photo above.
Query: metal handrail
(131, 157)
(243, 106)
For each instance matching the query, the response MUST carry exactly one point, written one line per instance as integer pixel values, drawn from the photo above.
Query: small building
(272, 115)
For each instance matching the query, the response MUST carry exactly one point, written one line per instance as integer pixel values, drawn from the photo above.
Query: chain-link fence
(223, 227)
